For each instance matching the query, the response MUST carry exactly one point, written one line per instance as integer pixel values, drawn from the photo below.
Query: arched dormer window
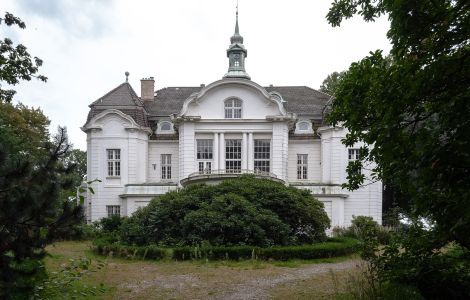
(165, 127)
(303, 126)
(233, 108)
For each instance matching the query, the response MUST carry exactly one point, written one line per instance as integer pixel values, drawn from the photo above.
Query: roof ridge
(107, 94)
(326, 94)
(134, 94)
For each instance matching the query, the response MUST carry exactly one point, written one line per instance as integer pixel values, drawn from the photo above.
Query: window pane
(302, 166)
(233, 155)
(262, 155)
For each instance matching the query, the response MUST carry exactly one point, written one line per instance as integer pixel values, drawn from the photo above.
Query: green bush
(363, 227)
(236, 212)
(331, 248)
(110, 224)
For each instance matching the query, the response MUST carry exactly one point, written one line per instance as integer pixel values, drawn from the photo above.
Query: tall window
(233, 109)
(262, 157)
(113, 210)
(302, 166)
(233, 156)
(353, 154)
(114, 162)
(204, 154)
(166, 166)
(204, 149)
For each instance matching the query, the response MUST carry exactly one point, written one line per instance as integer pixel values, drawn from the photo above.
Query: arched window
(233, 109)
(165, 127)
(304, 126)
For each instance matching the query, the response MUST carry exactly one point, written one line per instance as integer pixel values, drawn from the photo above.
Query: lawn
(135, 279)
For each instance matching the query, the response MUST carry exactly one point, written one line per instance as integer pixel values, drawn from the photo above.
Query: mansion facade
(143, 147)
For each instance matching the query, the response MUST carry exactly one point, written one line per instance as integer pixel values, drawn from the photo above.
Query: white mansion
(142, 147)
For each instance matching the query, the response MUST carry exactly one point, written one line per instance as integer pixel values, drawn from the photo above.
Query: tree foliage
(331, 82)
(16, 63)
(414, 106)
(32, 178)
(242, 211)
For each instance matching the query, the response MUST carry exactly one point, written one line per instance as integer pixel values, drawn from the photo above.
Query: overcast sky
(87, 45)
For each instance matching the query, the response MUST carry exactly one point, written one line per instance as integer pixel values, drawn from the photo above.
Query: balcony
(321, 190)
(217, 176)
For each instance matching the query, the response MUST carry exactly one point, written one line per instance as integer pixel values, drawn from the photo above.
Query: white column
(215, 146)
(250, 151)
(244, 151)
(222, 151)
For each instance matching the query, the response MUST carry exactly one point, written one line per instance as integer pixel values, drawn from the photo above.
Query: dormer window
(165, 127)
(233, 108)
(303, 126)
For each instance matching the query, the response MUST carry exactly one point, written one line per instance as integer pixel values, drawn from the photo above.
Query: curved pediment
(208, 103)
(113, 117)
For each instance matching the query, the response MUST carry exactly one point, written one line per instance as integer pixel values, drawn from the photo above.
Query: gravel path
(258, 288)
(222, 282)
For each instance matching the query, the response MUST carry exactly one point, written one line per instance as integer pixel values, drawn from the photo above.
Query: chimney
(147, 89)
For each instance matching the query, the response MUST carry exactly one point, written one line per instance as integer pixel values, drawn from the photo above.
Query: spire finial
(127, 76)
(236, 22)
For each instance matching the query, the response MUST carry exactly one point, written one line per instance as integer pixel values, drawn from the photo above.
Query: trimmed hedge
(331, 248)
(143, 252)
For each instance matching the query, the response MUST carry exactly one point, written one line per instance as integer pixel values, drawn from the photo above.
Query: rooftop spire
(236, 53)
(236, 37)
(236, 22)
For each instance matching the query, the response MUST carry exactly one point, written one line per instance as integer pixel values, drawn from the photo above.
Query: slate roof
(169, 100)
(302, 100)
(124, 98)
(122, 95)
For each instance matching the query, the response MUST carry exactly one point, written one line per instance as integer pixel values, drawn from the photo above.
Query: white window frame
(353, 154)
(262, 155)
(113, 210)
(302, 166)
(113, 162)
(233, 158)
(164, 122)
(233, 108)
(204, 155)
(165, 160)
(309, 128)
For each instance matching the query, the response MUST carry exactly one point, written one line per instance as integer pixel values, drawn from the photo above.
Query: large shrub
(241, 211)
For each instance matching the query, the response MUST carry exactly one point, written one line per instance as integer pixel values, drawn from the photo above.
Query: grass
(164, 279)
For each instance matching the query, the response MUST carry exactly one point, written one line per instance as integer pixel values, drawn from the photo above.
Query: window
(204, 153)
(233, 109)
(205, 167)
(237, 63)
(353, 154)
(166, 126)
(113, 210)
(262, 157)
(303, 126)
(114, 162)
(233, 156)
(204, 149)
(301, 166)
(166, 166)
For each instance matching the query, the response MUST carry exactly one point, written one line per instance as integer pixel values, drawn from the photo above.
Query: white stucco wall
(156, 149)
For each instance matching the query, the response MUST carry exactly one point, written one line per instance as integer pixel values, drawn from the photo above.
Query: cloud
(84, 18)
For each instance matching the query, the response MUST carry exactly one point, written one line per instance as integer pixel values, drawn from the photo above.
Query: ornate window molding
(303, 126)
(165, 127)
